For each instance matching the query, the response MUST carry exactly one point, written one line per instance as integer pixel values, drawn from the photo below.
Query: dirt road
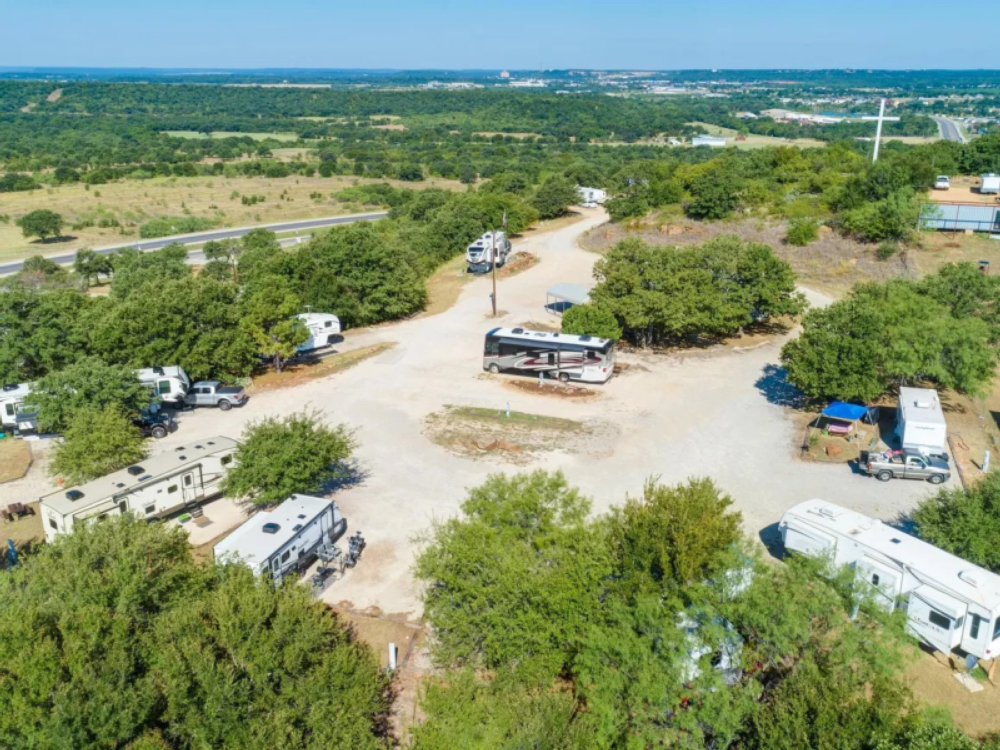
(717, 413)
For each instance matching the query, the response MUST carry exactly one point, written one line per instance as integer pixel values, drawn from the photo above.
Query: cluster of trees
(560, 630)
(114, 637)
(652, 295)
(943, 328)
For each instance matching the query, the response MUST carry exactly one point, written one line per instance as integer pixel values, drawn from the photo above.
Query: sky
(488, 34)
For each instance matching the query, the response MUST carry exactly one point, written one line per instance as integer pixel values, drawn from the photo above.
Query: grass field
(132, 202)
(232, 134)
(15, 459)
(758, 141)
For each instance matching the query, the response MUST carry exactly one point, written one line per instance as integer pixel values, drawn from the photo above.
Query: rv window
(163, 387)
(974, 629)
(53, 524)
(511, 350)
(188, 480)
(10, 410)
(285, 556)
(996, 629)
(591, 354)
(875, 579)
(942, 621)
(172, 488)
(328, 323)
(149, 509)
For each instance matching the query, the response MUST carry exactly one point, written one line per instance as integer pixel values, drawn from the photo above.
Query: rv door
(189, 486)
(936, 617)
(885, 580)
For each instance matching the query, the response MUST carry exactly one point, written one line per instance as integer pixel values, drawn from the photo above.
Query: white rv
(285, 539)
(590, 197)
(156, 487)
(920, 422)
(479, 255)
(171, 384)
(322, 327)
(990, 184)
(949, 603)
(11, 398)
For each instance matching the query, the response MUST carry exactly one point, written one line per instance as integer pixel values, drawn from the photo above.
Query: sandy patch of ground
(550, 388)
(933, 684)
(54, 96)
(964, 189)
(312, 367)
(15, 459)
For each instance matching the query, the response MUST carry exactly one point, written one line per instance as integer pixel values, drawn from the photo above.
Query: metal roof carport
(561, 297)
(960, 216)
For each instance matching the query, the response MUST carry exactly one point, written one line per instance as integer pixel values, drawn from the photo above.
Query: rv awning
(846, 412)
(572, 293)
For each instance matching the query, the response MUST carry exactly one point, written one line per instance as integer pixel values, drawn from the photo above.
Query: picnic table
(17, 510)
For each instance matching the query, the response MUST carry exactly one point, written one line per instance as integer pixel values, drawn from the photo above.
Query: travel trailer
(920, 422)
(479, 255)
(323, 328)
(591, 196)
(559, 355)
(949, 603)
(151, 489)
(171, 384)
(11, 398)
(286, 539)
(990, 184)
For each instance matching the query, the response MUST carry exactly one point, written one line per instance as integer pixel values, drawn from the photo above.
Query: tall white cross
(878, 130)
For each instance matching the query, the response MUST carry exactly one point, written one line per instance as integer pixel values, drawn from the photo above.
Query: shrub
(801, 232)
(591, 320)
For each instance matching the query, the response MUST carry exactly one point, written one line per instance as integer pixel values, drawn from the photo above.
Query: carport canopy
(561, 297)
(845, 412)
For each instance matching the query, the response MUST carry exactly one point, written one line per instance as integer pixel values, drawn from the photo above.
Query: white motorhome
(156, 487)
(171, 384)
(591, 196)
(285, 539)
(559, 355)
(479, 255)
(11, 398)
(920, 422)
(949, 603)
(323, 329)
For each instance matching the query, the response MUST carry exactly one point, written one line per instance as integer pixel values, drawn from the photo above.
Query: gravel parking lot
(716, 413)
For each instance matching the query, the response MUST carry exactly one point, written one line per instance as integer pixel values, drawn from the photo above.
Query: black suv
(155, 425)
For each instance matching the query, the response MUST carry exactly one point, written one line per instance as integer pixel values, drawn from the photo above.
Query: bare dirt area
(931, 677)
(720, 411)
(15, 459)
(550, 388)
(24, 531)
(964, 189)
(516, 264)
(320, 365)
(831, 264)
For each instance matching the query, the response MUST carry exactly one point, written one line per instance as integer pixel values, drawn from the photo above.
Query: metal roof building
(561, 297)
(961, 216)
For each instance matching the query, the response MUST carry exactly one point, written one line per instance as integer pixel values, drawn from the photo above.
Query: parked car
(213, 393)
(942, 182)
(904, 465)
(155, 425)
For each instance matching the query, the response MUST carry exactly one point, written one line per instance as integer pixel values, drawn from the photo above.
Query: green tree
(97, 442)
(715, 194)
(114, 637)
(278, 458)
(134, 268)
(964, 521)
(555, 196)
(268, 315)
(43, 331)
(42, 265)
(91, 265)
(801, 232)
(41, 223)
(87, 383)
(892, 218)
(223, 259)
(591, 320)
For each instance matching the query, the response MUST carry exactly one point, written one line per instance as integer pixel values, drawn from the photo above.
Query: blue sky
(489, 34)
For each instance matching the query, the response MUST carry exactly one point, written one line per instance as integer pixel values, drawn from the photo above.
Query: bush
(169, 225)
(591, 320)
(887, 249)
(965, 522)
(97, 442)
(554, 196)
(801, 232)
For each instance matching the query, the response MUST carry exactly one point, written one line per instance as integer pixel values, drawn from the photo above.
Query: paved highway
(199, 238)
(949, 130)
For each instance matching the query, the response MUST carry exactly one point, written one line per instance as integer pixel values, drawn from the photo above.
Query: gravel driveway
(714, 413)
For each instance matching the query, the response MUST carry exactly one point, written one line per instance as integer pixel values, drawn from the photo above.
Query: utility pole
(493, 264)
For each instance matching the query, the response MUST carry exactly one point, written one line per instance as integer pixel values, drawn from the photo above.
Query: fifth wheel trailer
(949, 603)
(277, 542)
(11, 398)
(171, 384)
(150, 489)
(323, 329)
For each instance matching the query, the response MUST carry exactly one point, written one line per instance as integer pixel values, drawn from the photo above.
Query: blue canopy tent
(848, 415)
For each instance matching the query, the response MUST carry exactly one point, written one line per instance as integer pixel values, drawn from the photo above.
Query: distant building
(746, 116)
(504, 74)
(714, 141)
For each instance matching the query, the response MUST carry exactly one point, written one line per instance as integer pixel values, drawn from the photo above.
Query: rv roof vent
(894, 540)
(271, 528)
(158, 370)
(969, 576)
(211, 442)
(120, 484)
(296, 527)
(923, 404)
(302, 515)
(135, 470)
(518, 330)
(145, 477)
(74, 494)
(179, 449)
(182, 458)
(585, 338)
(829, 512)
(198, 447)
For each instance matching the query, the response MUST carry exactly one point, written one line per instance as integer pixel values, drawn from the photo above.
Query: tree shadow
(774, 386)
(349, 474)
(53, 240)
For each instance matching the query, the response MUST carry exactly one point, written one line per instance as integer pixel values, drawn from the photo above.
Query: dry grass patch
(313, 368)
(15, 459)
(377, 632)
(758, 141)
(25, 531)
(933, 684)
(517, 263)
(474, 432)
(551, 388)
(445, 285)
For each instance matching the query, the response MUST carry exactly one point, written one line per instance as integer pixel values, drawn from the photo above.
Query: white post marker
(508, 410)
(392, 657)
(986, 462)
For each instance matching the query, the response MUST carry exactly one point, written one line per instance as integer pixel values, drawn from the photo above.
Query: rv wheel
(225, 405)
(935, 479)
(159, 432)
(495, 368)
(564, 377)
(884, 476)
